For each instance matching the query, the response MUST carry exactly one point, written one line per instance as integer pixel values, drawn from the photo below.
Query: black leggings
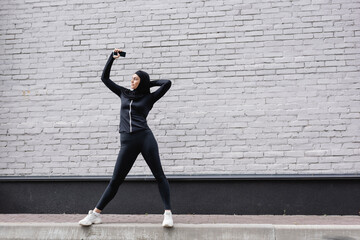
(131, 145)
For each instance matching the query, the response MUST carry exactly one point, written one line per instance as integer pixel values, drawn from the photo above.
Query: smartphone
(122, 54)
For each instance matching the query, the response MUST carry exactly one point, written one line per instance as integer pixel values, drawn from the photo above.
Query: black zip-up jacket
(133, 112)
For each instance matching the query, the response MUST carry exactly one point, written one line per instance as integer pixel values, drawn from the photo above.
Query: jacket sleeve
(105, 77)
(164, 87)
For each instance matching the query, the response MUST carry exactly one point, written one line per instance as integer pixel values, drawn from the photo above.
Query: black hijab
(143, 88)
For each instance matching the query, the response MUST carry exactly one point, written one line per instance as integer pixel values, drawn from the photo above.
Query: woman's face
(135, 81)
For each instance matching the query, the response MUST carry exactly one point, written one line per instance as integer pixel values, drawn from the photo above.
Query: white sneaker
(168, 221)
(91, 218)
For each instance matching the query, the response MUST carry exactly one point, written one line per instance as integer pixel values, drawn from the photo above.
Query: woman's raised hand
(117, 55)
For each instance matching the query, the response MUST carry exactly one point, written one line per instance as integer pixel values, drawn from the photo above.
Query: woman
(135, 136)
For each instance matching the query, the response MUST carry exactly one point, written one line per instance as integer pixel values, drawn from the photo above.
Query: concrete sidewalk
(115, 226)
(187, 219)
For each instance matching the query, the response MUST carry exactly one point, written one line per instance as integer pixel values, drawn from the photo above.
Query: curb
(69, 231)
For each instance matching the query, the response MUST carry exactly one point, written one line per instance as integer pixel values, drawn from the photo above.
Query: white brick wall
(259, 87)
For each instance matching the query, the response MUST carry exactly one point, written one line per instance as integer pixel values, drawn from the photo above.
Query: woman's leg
(150, 152)
(126, 158)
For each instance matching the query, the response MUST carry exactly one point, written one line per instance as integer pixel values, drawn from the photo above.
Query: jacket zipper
(130, 115)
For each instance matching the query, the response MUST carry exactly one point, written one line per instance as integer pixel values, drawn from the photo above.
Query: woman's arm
(105, 77)
(164, 87)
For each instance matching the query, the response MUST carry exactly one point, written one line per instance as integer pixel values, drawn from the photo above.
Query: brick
(242, 86)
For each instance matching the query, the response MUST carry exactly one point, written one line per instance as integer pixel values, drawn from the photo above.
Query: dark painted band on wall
(208, 177)
(200, 194)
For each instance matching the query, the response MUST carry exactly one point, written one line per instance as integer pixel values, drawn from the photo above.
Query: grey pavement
(188, 219)
(187, 227)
